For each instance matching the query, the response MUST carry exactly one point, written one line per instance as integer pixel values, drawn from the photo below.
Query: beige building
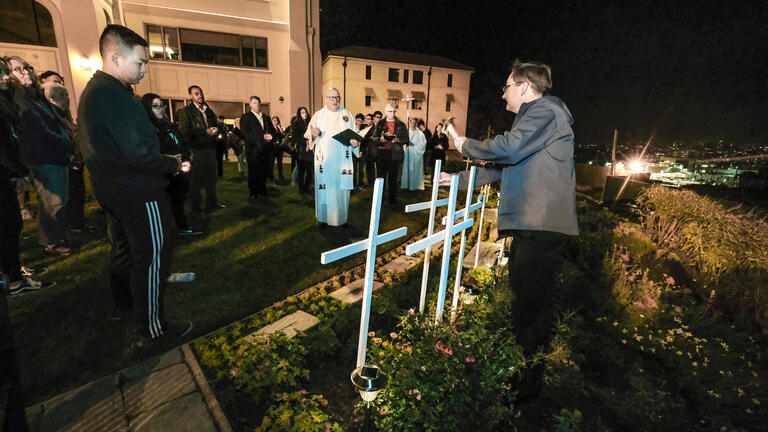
(232, 49)
(428, 87)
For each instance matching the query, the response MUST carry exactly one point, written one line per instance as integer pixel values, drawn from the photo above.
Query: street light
(369, 380)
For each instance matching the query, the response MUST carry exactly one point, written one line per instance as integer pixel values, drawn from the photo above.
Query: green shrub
(259, 365)
(728, 248)
(298, 412)
(442, 377)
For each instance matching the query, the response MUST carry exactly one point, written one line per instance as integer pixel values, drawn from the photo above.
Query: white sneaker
(181, 277)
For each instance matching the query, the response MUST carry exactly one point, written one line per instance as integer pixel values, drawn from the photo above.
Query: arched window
(26, 22)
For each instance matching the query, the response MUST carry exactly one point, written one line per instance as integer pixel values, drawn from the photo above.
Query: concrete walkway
(163, 393)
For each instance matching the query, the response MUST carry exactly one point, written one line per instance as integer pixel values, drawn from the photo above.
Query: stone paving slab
(291, 325)
(489, 255)
(96, 406)
(401, 264)
(353, 292)
(157, 389)
(185, 414)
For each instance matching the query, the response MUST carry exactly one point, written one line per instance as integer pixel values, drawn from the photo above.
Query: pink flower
(624, 257)
(670, 280)
(371, 334)
(410, 311)
(448, 351)
(233, 373)
(418, 397)
(470, 359)
(631, 278)
(393, 335)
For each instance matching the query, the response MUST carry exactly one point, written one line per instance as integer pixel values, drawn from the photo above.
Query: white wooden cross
(464, 213)
(485, 191)
(432, 205)
(374, 239)
(444, 235)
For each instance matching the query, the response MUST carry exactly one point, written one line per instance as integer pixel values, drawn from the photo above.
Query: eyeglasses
(506, 87)
(158, 106)
(21, 70)
(337, 98)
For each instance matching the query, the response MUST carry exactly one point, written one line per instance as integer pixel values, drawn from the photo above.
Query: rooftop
(397, 57)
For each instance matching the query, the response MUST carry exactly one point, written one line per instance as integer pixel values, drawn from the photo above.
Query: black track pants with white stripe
(140, 230)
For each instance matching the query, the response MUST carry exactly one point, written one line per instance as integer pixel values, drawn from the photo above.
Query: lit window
(170, 43)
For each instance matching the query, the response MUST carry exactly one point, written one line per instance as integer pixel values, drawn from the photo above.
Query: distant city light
(636, 166)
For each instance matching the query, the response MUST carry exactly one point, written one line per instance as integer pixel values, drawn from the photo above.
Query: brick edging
(210, 399)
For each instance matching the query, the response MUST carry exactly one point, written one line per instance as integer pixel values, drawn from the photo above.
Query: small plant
(298, 412)
(258, 365)
(567, 421)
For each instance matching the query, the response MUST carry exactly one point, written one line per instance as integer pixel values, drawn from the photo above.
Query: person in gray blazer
(537, 207)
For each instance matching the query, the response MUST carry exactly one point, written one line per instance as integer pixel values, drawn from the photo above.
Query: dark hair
(278, 119)
(360, 116)
(304, 123)
(369, 114)
(420, 123)
(146, 100)
(378, 113)
(50, 73)
(536, 74)
(194, 86)
(125, 38)
(255, 97)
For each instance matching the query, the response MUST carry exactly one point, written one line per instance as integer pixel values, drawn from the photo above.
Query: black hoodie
(119, 142)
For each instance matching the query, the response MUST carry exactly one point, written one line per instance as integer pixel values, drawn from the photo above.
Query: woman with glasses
(10, 167)
(279, 148)
(170, 144)
(46, 147)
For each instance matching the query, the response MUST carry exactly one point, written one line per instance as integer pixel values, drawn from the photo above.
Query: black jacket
(255, 144)
(10, 158)
(118, 141)
(298, 128)
(170, 139)
(43, 139)
(439, 141)
(401, 132)
(192, 127)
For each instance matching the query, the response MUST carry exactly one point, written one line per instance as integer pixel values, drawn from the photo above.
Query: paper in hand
(344, 137)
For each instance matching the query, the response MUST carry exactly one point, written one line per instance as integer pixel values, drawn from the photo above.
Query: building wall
(355, 88)
(294, 61)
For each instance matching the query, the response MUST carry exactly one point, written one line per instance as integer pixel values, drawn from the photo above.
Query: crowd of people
(143, 167)
(146, 169)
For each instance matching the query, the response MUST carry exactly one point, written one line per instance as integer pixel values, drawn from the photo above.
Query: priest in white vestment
(334, 167)
(413, 163)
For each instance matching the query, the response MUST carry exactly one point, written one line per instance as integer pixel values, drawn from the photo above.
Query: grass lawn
(250, 256)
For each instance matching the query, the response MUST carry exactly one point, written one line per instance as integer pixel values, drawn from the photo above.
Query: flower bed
(634, 350)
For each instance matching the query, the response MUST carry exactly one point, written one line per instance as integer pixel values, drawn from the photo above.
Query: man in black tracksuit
(128, 172)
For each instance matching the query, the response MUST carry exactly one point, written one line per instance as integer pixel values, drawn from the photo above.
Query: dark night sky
(682, 70)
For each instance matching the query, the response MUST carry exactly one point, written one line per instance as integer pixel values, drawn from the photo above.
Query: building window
(450, 80)
(367, 72)
(26, 22)
(416, 104)
(367, 101)
(170, 43)
(418, 77)
(163, 42)
(405, 76)
(448, 105)
(394, 75)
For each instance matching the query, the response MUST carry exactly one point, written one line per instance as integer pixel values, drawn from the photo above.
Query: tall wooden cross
(432, 205)
(374, 239)
(444, 236)
(407, 101)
